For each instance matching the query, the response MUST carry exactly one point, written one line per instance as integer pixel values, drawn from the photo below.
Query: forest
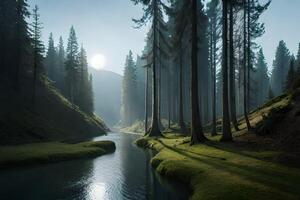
(195, 111)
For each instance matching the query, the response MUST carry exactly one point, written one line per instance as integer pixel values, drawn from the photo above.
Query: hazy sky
(282, 23)
(105, 26)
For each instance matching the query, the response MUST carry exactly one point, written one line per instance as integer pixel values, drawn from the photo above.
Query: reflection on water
(125, 174)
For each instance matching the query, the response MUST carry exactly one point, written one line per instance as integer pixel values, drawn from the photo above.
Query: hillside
(107, 95)
(52, 118)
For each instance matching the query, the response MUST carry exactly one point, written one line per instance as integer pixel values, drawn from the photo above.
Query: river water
(125, 174)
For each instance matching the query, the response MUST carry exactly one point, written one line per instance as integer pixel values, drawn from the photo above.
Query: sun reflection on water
(97, 191)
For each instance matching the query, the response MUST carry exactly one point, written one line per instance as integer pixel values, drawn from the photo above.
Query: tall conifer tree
(71, 66)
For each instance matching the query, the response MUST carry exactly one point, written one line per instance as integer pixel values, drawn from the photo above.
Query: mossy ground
(245, 169)
(223, 171)
(38, 153)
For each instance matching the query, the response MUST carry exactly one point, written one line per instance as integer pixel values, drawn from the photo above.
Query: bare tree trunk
(213, 68)
(181, 117)
(196, 124)
(154, 130)
(249, 58)
(146, 100)
(226, 131)
(159, 87)
(245, 68)
(169, 99)
(232, 72)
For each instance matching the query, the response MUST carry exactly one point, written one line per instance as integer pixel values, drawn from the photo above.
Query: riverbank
(223, 171)
(40, 153)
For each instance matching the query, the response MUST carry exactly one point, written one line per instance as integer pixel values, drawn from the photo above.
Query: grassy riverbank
(39, 153)
(223, 171)
(260, 166)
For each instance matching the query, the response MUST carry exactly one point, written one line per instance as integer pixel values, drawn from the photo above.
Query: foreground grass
(38, 153)
(223, 171)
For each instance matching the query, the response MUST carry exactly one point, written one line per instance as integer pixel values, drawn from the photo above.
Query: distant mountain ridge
(107, 95)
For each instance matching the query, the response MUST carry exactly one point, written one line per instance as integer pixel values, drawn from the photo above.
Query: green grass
(223, 171)
(137, 127)
(38, 153)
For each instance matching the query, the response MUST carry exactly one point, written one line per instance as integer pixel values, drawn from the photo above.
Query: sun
(98, 61)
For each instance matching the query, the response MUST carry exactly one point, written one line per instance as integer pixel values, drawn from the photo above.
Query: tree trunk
(214, 68)
(169, 99)
(232, 72)
(146, 100)
(181, 117)
(245, 68)
(249, 58)
(196, 125)
(226, 131)
(154, 130)
(160, 90)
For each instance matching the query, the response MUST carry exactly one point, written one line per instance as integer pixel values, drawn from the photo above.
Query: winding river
(125, 174)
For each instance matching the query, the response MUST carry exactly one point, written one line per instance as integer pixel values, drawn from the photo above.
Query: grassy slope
(37, 153)
(52, 119)
(237, 170)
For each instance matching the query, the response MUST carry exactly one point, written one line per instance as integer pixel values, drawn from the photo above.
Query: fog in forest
(149, 99)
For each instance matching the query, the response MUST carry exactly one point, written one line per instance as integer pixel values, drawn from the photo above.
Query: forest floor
(263, 165)
(40, 153)
(217, 170)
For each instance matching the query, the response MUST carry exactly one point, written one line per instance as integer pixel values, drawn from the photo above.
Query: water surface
(125, 174)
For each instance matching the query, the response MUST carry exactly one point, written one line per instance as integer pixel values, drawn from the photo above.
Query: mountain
(107, 95)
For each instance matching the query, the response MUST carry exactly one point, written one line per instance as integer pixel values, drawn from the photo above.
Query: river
(125, 174)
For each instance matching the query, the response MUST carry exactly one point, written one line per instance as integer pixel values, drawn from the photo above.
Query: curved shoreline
(216, 171)
(51, 152)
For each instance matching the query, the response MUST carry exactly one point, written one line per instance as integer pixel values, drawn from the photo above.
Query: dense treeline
(23, 59)
(68, 70)
(202, 63)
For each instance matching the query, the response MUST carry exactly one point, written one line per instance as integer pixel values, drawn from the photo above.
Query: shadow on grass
(265, 173)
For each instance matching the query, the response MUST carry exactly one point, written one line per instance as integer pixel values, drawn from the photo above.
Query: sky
(102, 26)
(282, 23)
(105, 27)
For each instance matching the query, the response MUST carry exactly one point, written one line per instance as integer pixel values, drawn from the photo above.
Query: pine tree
(262, 78)
(21, 37)
(84, 97)
(129, 92)
(50, 60)
(255, 29)
(153, 11)
(196, 122)
(38, 49)
(291, 74)
(246, 68)
(280, 68)
(226, 130)
(14, 40)
(232, 88)
(61, 73)
(298, 62)
(177, 24)
(71, 66)
(213, 13)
